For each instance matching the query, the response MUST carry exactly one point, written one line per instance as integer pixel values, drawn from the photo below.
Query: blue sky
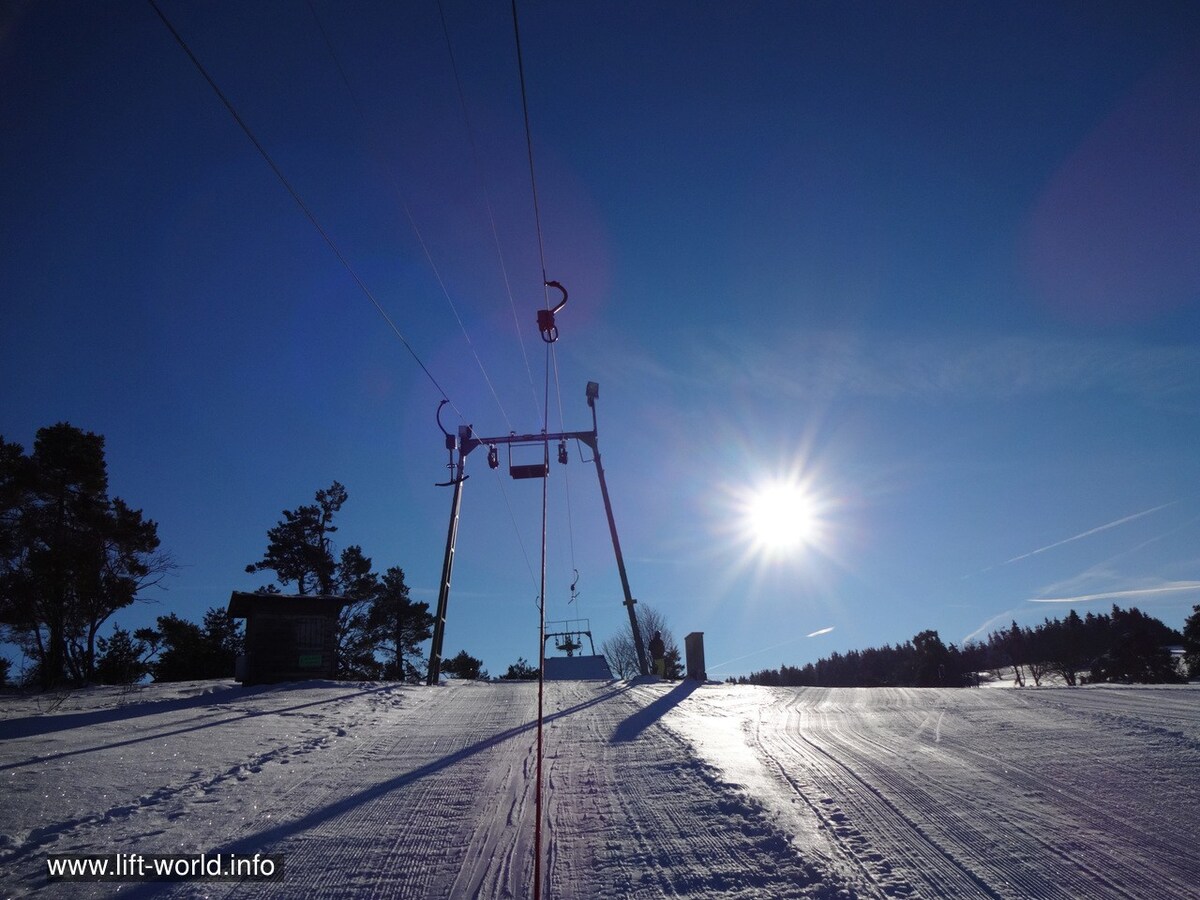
(933, 262)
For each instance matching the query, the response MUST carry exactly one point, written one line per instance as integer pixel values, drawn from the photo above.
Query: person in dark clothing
(658, 654)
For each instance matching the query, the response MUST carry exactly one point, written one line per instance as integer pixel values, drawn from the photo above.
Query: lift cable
(537, 863)
(329, 241)
(566, 479)
(537, 828)
(517, 529)
(487, 200)
(537, 215)
(300, 202)
(380, 158)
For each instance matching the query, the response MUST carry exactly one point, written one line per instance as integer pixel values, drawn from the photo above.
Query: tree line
(1125, 646)
(175, 650)
(71, 556)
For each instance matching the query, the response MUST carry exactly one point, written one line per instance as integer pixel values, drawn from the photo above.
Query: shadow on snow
(261, 840)
(37, 725)
(632, 728)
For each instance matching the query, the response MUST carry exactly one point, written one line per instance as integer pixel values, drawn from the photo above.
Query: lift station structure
(570, 634)
(460, 446)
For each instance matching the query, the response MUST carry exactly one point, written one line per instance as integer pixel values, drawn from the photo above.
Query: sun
(781, 516)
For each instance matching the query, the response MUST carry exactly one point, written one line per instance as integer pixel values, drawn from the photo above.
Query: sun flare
(781, 516)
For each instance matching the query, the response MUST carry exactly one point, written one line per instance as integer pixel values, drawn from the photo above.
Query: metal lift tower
(466, 441)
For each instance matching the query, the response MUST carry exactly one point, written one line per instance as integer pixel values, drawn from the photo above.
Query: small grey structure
(577, 668)
(289, 637)
(693, 648)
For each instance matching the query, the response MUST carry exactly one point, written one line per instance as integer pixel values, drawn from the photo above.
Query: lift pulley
(455, 468)
(546, 316)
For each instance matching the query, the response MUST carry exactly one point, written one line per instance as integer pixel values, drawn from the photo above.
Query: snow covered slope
(652, 789)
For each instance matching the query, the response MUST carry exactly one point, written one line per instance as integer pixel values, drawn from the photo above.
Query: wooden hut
(289, 637)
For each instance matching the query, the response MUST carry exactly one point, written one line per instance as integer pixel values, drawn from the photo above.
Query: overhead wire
(566, 479)
(465, 109)
(377, 149)
(537, 214)
(380, 156)
(337, 251)
(537, 867)
(304, 207)
(366, 291)
(462, 101)
(537, 844)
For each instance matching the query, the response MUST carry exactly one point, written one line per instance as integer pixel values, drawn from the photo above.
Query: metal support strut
(457, 477)
(461, 445)
(593, 391)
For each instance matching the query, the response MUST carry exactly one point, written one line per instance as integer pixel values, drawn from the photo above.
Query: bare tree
(621, 651)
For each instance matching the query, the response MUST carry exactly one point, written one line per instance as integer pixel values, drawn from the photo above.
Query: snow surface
(652, 789)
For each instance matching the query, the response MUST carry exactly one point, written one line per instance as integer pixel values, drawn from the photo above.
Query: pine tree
(1067, 647)
(1137, 650)
(186, 651)
(122, 659)
(299, 547)
(464, 666)
(1191, 642)
(400, 626)
(521, 671)
(70, 556)
(932, 660)
(357, 584)
(377, 618)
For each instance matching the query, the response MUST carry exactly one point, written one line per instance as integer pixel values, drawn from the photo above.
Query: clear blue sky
(935, 262)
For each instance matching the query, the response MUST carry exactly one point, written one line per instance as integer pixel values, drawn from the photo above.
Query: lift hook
(545, 317)
(451, 445)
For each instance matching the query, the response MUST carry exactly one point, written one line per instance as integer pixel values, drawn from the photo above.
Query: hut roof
(242, 603)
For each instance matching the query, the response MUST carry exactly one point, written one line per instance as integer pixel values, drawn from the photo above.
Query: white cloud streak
(990, 625)
(823, 364)
(1089, 532)
(1169, 587)
(722, 665)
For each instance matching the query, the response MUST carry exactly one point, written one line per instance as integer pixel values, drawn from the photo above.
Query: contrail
(772, 647)
(1088, 533)
(1083, 598)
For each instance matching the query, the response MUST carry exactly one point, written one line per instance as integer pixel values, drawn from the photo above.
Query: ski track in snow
(968, 793)
(650, 789)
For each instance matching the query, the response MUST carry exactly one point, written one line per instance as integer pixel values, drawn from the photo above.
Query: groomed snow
(652, 789)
